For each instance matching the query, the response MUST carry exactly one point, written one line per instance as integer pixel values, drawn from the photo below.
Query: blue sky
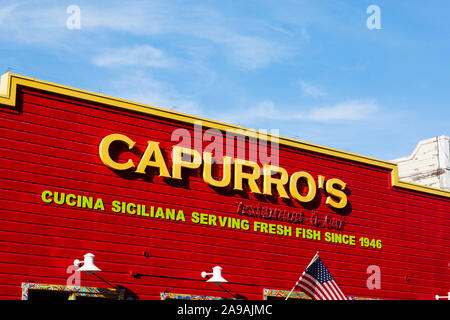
(310, 68)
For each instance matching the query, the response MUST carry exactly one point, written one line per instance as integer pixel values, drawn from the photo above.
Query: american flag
(317, 282)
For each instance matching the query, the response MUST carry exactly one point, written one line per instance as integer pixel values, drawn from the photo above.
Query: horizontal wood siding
(52, 144)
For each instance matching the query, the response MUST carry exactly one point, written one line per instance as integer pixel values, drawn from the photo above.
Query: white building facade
(429, 164)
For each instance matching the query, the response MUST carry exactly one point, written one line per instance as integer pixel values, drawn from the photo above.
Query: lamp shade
(447, 297)
(216, 278)
(88, 264)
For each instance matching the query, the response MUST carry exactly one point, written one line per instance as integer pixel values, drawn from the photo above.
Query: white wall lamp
(447, 297)
(216, 278)
(88, 264)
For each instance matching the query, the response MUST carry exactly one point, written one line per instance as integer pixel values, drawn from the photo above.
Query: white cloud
(27, 24)
(100, 23)
(251, 52)
(141, 88)
(265, 108)
(282, 30)
(311, 90)
(143, 55)
(6, 11)
(351, 110)
(137, 17)
(304, 33)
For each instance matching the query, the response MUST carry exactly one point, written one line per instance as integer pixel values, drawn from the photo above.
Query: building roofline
(419, 144)
(10, 82)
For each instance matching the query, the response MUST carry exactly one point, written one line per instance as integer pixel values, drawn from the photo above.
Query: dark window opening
(39, 295)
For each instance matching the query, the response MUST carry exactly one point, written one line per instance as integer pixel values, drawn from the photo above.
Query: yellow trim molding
(10, 82)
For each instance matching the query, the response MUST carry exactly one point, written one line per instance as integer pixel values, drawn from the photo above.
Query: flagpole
(296, 284)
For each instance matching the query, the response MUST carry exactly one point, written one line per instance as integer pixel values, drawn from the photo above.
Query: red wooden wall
(52, 144)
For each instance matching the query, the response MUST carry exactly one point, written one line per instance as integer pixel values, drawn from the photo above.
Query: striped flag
(317, 282)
